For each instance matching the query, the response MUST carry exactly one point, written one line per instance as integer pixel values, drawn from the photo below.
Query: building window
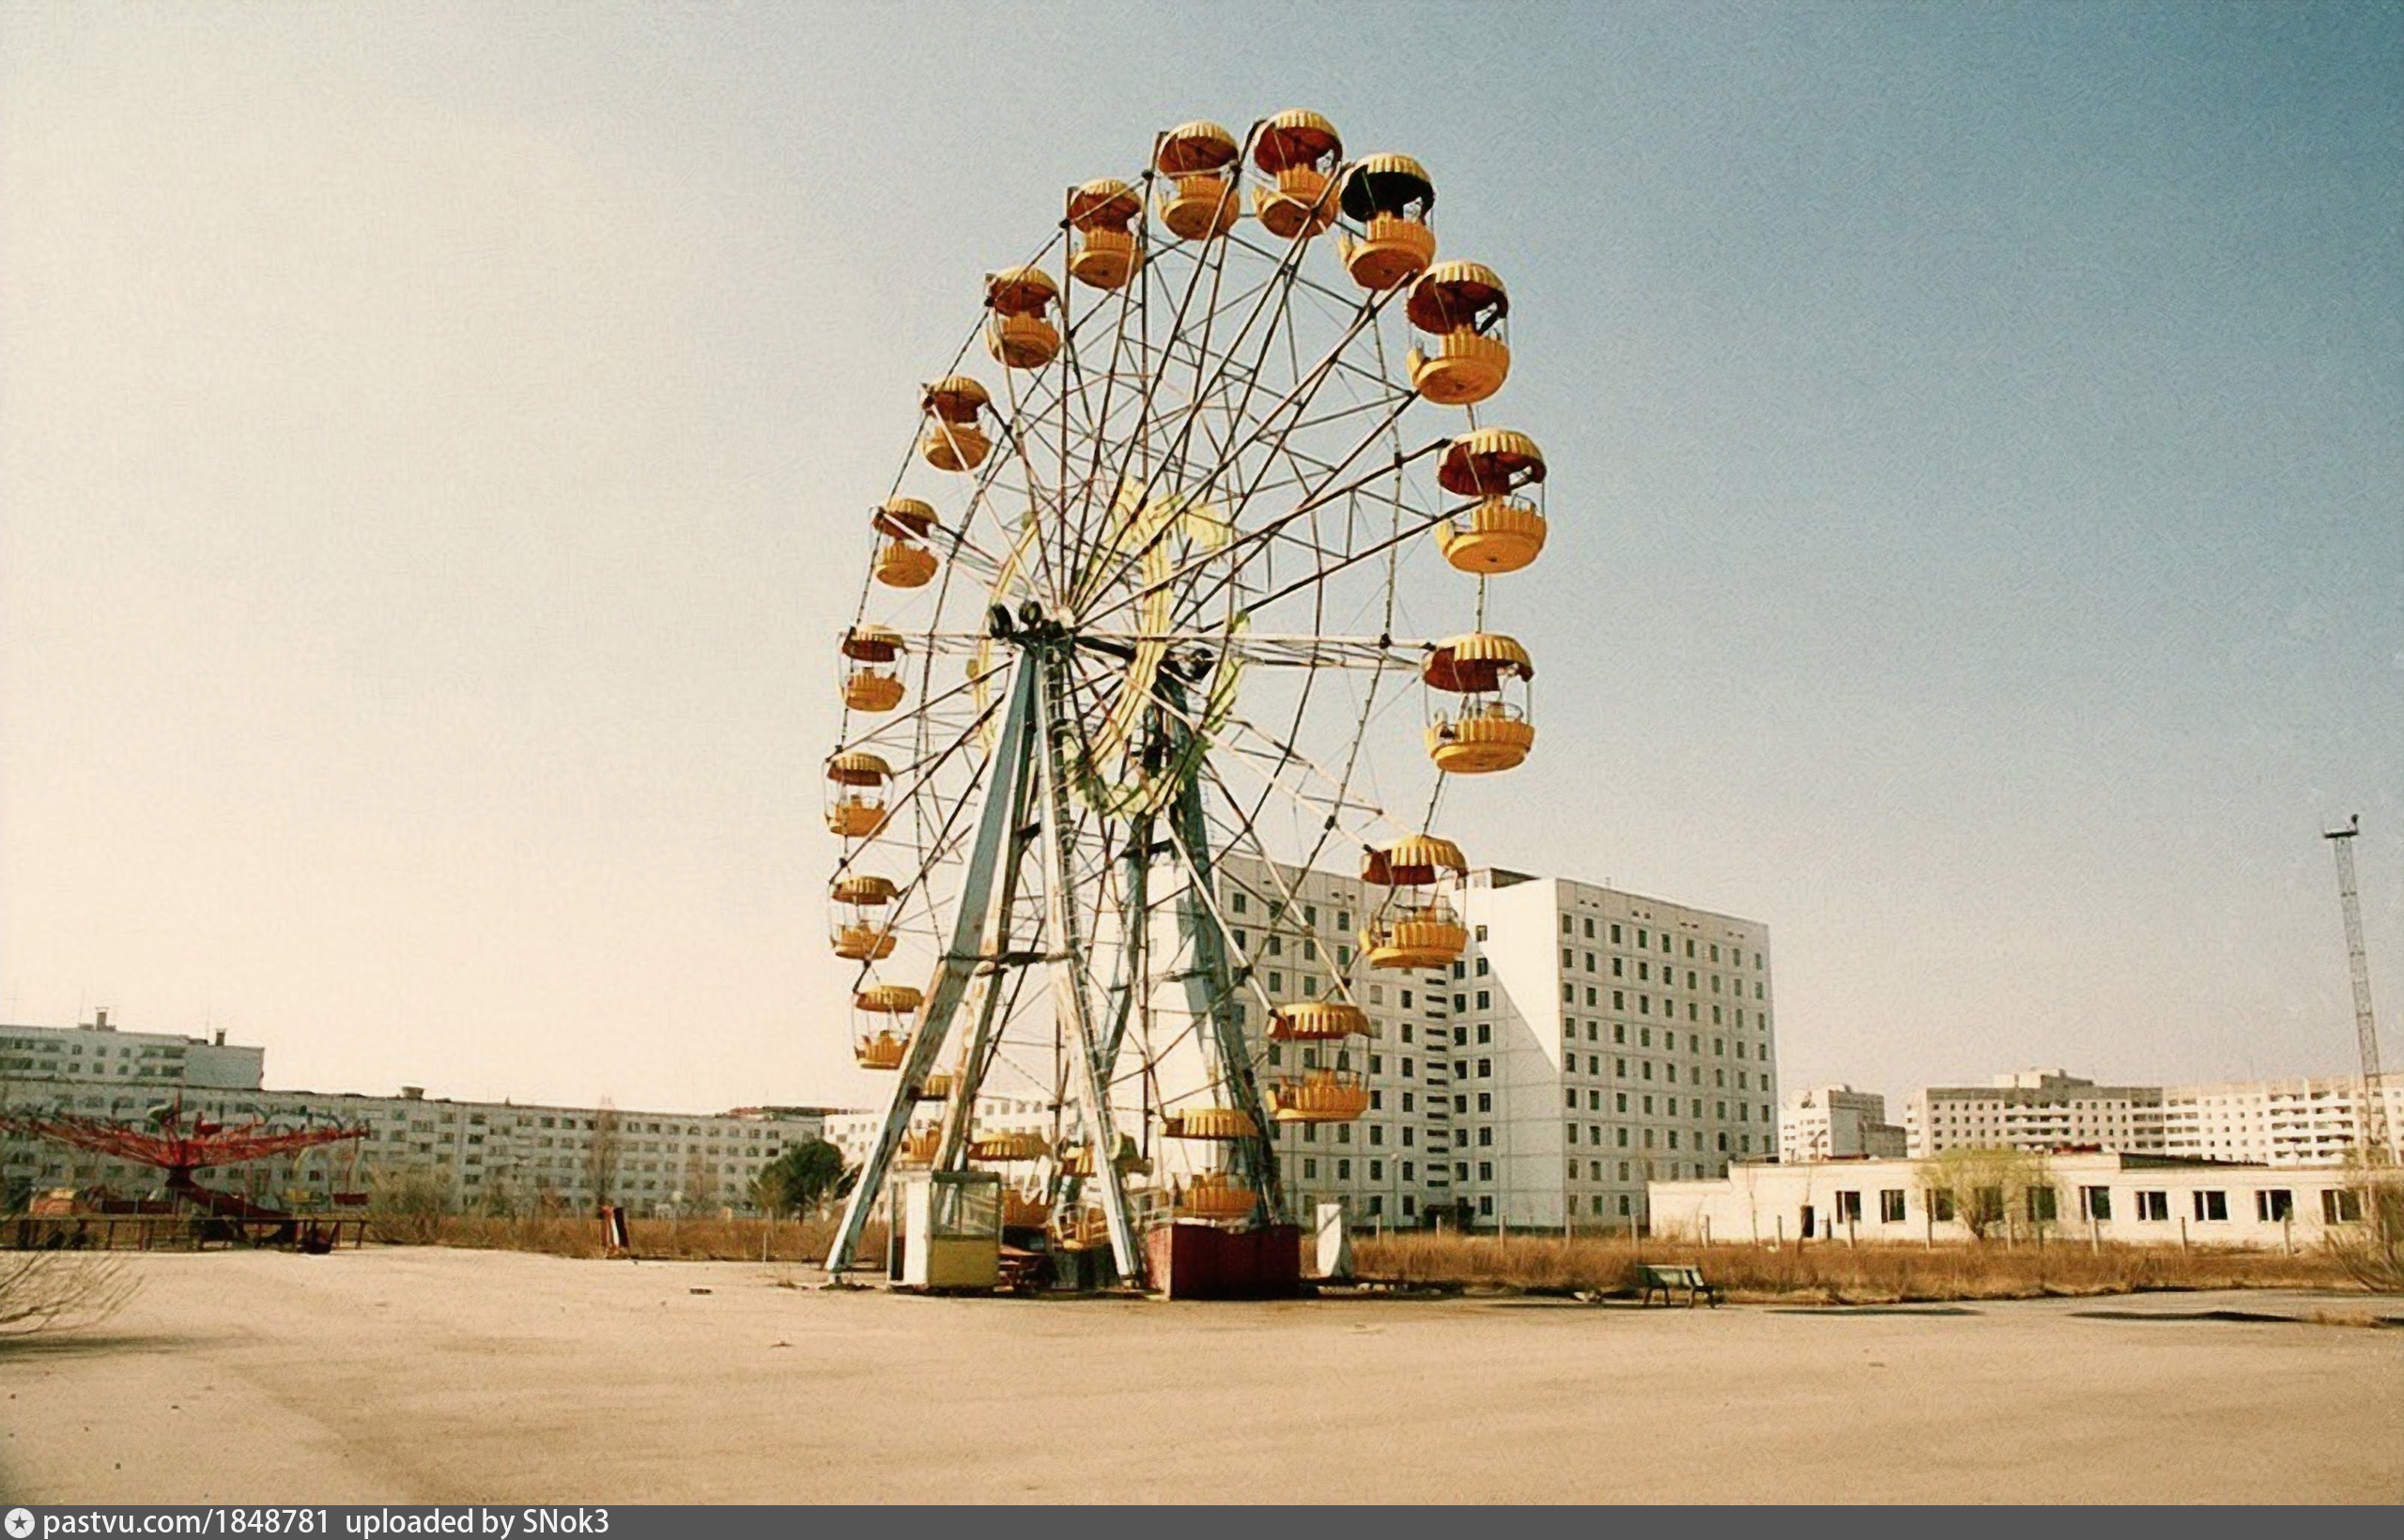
(1890, 1206)
(1848, 1208)
(2154, 1206)
(2340, 1205)
(2274, 1205)
(1485, 1138)
(2095, 1203)
(2041, 1209)
(1940, 1204)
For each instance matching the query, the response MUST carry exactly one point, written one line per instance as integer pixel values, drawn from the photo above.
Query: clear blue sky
(432, 442)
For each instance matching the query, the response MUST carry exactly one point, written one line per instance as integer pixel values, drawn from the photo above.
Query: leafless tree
(601, 1154)
(406, 1203)
(58, 1290)
(1982, 1184)
(2372, 1248)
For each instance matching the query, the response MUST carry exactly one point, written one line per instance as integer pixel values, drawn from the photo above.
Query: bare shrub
(2372, 1251)
(404, 1205)
(58, 1290)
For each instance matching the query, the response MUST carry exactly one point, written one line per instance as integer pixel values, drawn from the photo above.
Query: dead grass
(662, 1239)
(1839, 1275)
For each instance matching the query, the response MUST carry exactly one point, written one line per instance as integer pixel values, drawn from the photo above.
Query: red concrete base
(1190, 1261)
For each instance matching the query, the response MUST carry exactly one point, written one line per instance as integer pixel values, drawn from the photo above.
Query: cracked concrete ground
(432, 1375)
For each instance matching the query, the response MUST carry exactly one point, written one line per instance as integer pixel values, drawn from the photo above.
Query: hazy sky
(433, 443)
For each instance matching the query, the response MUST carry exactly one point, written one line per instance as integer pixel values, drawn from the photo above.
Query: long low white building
(496, 1156)
(2139, 1199)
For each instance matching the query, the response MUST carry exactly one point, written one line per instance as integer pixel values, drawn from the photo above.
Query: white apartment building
(1837, 1122)
(499, 1156)
(97, 1051)
(2136, 1199)
(1602, 1041)
(1589, 1041)
(2036, 1110)
(2301, 1122)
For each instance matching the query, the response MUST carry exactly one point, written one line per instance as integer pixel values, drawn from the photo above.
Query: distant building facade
(97, 1051)
(2116, 1196)
(1837, 1122)
(501, 1157)
(2036, 1110)
(2294, 1123)
(2314, 1121)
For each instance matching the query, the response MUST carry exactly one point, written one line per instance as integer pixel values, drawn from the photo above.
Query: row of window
(1644, 1005)
(2040, 1206)
(1644, 943)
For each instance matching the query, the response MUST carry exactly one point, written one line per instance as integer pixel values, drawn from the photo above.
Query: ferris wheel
(1197, 526)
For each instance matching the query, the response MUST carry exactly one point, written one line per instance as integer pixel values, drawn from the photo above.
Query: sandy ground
(449, 1376)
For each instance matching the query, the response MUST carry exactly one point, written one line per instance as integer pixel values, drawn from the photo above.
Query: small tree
(406, 1203)
(1982, 1184)
(601, 1155)
(2372, 1248)
(697, 1192)
(804, 1177)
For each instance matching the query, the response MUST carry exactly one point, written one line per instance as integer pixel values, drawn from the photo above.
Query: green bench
(1663, 1280)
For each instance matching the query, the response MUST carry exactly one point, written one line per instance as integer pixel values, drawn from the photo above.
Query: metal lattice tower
(2374, 1095)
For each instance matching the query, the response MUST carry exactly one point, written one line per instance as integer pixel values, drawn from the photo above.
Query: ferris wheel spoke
(1274, 424)
(1230, 560)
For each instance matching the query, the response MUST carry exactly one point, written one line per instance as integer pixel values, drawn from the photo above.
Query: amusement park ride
(1132, 641)
(177, 1144)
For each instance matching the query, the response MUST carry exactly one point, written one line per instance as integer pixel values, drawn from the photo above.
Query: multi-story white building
(1837, 1122)
(2279, 1122)
(97, 1051)
(2036, 1110)
(498, 1156)
(2139, 1199)
(1602, 1041)
(1589, 1041)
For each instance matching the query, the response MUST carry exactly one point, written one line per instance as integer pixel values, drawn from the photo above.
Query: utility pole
(2373, 1114)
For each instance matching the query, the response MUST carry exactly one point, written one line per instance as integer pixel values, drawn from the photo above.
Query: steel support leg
(1064, 945)
(975, 939)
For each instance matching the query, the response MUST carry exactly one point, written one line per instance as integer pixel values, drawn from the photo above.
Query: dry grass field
(802, 1240)
(1826, 1272)
(1835, 1273)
